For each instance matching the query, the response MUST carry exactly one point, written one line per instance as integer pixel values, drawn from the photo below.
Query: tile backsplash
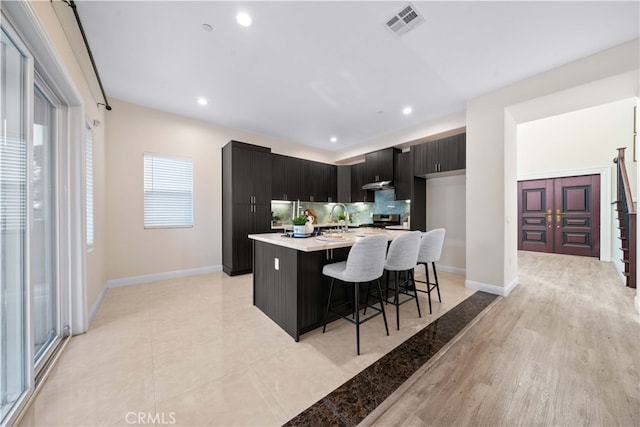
(359, 212)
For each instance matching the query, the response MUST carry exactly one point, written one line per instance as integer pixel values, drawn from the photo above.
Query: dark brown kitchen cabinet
(344, 184)
(358, 179)
(286, 177)
(380, 165)
(410, 187)
(443, 155)
(324, 183)
(300, 179)
(246, 202)
(403, 179)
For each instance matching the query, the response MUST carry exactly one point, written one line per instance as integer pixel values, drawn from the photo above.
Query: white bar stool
(430, 251)
(402, 257)
(364, 264)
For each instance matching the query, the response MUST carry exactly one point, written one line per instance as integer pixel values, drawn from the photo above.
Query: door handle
(558, 215)
(549, 217)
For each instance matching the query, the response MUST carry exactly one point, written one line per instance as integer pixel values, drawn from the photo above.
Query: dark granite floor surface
(350, 403)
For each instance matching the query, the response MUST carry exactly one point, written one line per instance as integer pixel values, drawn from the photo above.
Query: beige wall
(492, 151)
(446, 209)
(133, 130)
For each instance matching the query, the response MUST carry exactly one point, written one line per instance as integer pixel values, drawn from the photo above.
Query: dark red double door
(560, 215)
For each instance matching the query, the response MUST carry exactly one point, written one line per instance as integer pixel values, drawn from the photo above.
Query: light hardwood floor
(562, 349)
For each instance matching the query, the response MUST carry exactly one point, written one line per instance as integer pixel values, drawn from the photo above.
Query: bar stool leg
(366, 301)
(326, 312)
(397, 300)
(426, 272)
(387, 290)
(384, 316)
(415, 291)
(437, 284)
(357, 308)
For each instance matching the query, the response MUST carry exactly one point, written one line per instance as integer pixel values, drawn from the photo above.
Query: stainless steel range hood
(381, 185)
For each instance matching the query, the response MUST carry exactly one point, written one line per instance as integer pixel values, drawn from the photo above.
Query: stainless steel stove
(383, 220)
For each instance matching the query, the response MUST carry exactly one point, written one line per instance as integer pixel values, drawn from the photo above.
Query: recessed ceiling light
(202, 101)
(333, 139)
(207, 27)
(407, 110)
(243, 19)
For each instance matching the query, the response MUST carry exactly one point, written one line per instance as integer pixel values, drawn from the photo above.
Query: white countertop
(396, 227)
(320, 243)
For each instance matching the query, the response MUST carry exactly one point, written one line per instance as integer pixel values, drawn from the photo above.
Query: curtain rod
(72, 5)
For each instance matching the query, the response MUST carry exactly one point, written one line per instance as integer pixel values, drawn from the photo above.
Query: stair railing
(627, 209)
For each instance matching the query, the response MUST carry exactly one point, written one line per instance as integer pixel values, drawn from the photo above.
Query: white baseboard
(137, 280)
(493, 289)
(96, 305)
(449, 269)
(619, 266)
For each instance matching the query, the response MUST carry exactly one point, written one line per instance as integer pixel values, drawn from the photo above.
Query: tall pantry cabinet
(246, 202)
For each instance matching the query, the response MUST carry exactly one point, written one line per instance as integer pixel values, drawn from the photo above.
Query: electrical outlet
(276, 263)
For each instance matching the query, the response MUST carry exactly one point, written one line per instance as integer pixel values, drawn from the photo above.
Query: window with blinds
(168, 191)
(89, 183)
(13, 186)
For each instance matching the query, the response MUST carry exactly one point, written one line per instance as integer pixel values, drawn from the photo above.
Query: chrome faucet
(346, 215)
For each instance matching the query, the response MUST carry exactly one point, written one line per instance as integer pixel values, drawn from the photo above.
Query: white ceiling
(306, 71)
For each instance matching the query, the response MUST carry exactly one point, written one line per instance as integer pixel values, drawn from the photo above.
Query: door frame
(605, 200)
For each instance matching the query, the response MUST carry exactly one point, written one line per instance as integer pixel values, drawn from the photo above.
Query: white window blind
(13, 184)
(89, 189)
(168, 191)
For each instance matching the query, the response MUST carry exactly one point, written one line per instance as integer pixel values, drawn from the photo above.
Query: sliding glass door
(30, 294)
(14, 302)
(43, 231)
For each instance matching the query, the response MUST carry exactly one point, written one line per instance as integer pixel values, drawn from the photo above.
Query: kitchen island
(288, 285)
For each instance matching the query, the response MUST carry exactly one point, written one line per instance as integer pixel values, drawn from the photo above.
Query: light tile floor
(195, 351)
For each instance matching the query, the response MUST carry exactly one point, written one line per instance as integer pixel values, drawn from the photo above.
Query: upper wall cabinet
(403, 180)
(305, 180)
(319, 182)
(358, 179)
(251, 173)
(443, 155)
(285, 177)
(344, 184)
(380, 165)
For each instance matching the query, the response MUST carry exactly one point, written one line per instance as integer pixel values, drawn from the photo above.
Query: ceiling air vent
(405, 20)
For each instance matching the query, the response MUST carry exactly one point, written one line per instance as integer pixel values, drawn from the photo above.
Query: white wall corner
(636, 302)
(97, 304)
(493, 289)
(137, 280)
